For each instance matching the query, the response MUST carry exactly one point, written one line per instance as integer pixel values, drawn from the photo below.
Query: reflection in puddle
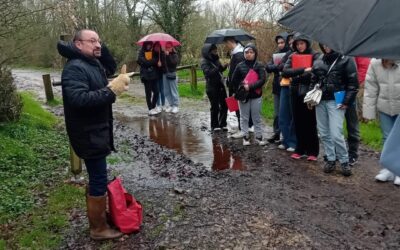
(166, 130)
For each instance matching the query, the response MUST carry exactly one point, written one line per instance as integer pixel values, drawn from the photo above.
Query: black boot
(274, 138)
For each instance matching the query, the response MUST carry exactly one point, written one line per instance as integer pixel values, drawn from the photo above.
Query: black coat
(169, 62)
(87, 101)
(212, 69)
(241, 71)
(235, 60)
(149, 70)
(343, 76)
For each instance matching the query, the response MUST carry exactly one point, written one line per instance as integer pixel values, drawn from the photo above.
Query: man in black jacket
(87, 98)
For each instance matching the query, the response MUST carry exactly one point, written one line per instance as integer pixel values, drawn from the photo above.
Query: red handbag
(232, 104)
(126, 213)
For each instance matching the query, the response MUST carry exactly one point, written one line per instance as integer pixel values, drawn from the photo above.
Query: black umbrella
(368, 28)
(218, 36)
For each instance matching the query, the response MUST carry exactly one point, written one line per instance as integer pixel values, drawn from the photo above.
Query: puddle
(174, 133)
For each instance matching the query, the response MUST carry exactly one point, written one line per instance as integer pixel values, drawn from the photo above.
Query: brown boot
(96, 210)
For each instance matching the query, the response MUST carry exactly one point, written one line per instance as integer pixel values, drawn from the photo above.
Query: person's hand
(121, 83)
(308, 69)
(342, 106)
(159, 64)
(166, 52)
(246, 87)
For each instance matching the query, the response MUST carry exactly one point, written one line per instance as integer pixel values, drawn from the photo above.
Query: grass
(185, 90)
(371, 135)
(33, 158)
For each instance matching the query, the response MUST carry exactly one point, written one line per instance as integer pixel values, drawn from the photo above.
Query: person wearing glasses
(87, 99)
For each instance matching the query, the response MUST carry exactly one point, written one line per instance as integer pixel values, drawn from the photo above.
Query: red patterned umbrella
(159, 37)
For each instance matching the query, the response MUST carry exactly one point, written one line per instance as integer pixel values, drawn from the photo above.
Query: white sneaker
(153, 112)
(168, 109)
(238, 135)
(246, 142)
(158, 109)
(385, 175)
(216, 129)
(281, 146)
(251, 130)
(175, 110)
(290, 149)
(261, 142)
(397, 181)
(163, 108)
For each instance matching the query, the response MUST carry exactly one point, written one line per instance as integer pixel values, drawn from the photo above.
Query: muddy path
(205, 191)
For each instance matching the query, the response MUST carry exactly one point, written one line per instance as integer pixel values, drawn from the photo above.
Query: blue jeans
(330, 126)
(286, 123)
(97, 170)
(387, 123)
(171, 91)
(161, 98)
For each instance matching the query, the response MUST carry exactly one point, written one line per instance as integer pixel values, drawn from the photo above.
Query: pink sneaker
(311, 158)
(295, 156)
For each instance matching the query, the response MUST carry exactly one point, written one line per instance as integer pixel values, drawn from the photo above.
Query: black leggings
(152, 93)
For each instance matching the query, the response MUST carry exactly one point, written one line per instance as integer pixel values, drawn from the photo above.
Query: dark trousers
(151, 90)
(305, 123)
(231, 92)
(277, 98)
(353, 130)
(97, 170)
(219, 109)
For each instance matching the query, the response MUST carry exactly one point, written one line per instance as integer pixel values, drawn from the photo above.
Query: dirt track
(276, 202)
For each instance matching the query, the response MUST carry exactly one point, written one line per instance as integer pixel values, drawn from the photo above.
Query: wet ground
(193, 197)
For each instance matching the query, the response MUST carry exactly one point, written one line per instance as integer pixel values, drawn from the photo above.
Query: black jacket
(149, 70)
(343, 76)
(212, 68)
(169, 62)
(277, 69)
(235, 60)
(242, 70)
(301, 80)
(87, 101)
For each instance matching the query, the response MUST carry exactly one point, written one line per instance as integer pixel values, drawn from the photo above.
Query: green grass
(185, 74)
(371, 134)
(33, 157)
(31, 152)
(55, 102)
(185, 90)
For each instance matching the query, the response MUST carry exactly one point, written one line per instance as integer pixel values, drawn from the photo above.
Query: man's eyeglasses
(92, 41)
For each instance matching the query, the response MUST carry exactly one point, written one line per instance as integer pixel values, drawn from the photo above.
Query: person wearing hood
(149, 75)
(304, 118)
(215, 89)
(237, 57)
(252, 93)
(87, 100)
(276, 67)
(169, 62)
(381, 95)
(286, 123)
(334, 72)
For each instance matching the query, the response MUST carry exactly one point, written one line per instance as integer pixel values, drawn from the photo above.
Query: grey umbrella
(368, 28)
(218, 36)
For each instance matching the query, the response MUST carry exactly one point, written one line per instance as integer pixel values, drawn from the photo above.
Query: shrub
(10, 100)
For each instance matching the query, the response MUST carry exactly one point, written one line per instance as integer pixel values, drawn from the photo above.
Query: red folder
(301, 61)
(251, 78)
(232, 104)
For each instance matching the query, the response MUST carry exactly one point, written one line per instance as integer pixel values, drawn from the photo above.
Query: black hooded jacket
(87, 101)
(243, 68)
(212, 68)
(301, 80)
(148, 68)
(235, 60)
(342, 76)
(276, 69)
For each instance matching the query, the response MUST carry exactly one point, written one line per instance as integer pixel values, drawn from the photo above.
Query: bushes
(10, 100)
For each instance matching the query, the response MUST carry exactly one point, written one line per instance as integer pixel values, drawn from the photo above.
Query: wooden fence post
(193, 82)
(48, 87)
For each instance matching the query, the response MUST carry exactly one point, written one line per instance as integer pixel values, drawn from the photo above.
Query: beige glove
(121, 83)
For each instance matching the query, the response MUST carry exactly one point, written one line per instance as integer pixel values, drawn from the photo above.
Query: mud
(274, 202)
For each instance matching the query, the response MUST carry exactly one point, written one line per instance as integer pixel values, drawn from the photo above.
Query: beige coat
(382, 90)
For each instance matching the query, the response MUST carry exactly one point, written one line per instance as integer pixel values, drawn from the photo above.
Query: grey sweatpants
(253, 107)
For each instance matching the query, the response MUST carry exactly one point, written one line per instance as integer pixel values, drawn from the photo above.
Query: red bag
(232, 104)
(301, 61)
(251, 78)
(125, 211)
